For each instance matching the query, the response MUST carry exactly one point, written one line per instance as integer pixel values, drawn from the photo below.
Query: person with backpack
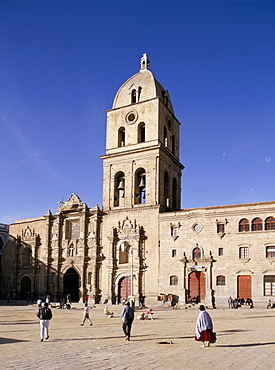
(45, 315)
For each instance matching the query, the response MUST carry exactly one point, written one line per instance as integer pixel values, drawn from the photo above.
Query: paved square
(245, 340)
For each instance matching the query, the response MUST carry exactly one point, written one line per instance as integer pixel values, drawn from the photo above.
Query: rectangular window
(72, 229)
(174, 231)
(174, 252)
(270, 252)
(269, 285)
(243, 252)
(220, 252)
(220, 228)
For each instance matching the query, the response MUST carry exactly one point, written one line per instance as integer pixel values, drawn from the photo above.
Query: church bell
(120, 185)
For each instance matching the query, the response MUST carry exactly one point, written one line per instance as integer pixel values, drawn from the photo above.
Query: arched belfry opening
(140, 186)
(119, 189)
(71, 284)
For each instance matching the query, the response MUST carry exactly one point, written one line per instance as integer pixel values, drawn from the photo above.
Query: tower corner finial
(144, 62)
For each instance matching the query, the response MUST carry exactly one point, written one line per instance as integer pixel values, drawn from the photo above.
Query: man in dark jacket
(45, 315)
(127, 317)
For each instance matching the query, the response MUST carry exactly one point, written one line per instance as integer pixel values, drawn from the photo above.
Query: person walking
(86, 315)
(45, 315)
(127, 317)
(204, 328)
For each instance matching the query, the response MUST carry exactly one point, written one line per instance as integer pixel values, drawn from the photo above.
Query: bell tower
(141, 166)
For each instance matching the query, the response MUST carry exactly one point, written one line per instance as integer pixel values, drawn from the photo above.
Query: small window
(196, 253)
(243, 225)
(270, 223)
(220, 280)
(269, 285)
(257, 224)
(134, 96)
(220, 251)
(174, 231)
(270, 252)
(141, 132)
(243, 252)
(165, 136)
(220, 228)
(121, 137)
(173, 280)
(173, 144)
(174, 252)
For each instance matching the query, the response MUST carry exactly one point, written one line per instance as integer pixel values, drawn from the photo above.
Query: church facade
(141, 244)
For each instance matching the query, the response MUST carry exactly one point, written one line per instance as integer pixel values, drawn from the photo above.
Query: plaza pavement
(245, 340)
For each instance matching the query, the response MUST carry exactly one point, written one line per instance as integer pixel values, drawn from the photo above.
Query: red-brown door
(124, 288)
(197, 285)
(244, 286)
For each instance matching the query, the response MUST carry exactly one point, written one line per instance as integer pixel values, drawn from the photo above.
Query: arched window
(196, 253)
(124, 253)
(119, 189)
(257, 224)
(140, 186)
(173, 144)
(270, 251)
(134, 96)
(270, 223)
(243, 252)
(244, 225)
(121, 137)
(141, 132)
(165, 139)
(173, 280)
(220, 280)
(166, 190)
(174, 194)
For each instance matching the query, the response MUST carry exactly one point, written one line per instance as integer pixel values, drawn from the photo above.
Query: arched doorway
(196, 285)
(25, 287)
(124, 288)
(71, 284)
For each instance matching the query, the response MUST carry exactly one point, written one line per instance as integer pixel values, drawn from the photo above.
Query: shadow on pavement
(9, 341)
(245, 345)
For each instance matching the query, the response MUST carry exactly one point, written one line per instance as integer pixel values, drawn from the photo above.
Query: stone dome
(141, 87)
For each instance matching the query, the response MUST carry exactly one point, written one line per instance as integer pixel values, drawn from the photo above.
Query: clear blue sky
(62, 62)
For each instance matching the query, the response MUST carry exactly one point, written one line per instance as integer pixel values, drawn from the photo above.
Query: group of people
(204, 325)
(238, 302)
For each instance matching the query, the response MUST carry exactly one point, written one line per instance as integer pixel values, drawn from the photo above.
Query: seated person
(149, 314)
(108, 313)
(269, 304)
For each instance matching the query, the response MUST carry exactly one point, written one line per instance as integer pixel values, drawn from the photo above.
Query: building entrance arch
(25, 287)
(71, 284)
(124, 288)
(197, 285)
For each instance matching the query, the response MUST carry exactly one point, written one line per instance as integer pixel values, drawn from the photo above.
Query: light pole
(132, 271)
